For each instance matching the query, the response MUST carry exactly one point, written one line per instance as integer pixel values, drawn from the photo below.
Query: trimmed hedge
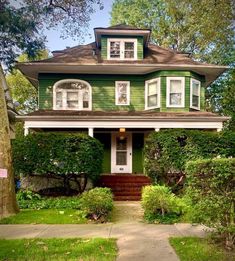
(67, 156)
(211, 186)
(166, 152)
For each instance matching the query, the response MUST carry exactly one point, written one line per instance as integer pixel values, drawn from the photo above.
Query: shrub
(166, 152)
(211, 183)
(97, 203)
(75, 157)
(160, 204)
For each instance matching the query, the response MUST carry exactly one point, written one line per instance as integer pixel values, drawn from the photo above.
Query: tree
(8, 204)
(22, 23)
(22, 91)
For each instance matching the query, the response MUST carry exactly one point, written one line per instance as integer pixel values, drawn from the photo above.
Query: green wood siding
(104, 44)
(137, 158)
(103, 90)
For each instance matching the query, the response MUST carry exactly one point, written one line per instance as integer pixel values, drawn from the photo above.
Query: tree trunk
(8, 205)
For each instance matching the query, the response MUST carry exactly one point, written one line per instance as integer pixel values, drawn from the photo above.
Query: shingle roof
(87, 54)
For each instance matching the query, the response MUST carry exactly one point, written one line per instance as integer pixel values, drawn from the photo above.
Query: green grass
(58, 249)
(46, 216)
(199, 249)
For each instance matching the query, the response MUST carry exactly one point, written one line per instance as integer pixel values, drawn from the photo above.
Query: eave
(32, 70)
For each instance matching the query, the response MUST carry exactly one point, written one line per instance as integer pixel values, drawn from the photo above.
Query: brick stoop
(125, 186)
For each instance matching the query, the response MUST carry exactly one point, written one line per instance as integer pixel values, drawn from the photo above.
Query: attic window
(71, 94)
(122, 49)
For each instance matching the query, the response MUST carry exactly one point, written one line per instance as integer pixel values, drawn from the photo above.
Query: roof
(112, 115)
(87, 59)
(122, 27)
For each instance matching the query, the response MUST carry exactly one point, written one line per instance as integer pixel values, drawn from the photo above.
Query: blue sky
(101, 18)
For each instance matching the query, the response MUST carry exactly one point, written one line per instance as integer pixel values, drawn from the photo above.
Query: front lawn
(46, 216)
(199, 249)
(58, 249)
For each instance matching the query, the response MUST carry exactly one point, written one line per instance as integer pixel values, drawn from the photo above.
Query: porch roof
(71, 115)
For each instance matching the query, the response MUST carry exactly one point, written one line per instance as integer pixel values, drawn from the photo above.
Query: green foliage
(161, 205)
(29, 200)
(210, 184)
(167, 151)
(97, 203)
(203, 28)
(57, 154)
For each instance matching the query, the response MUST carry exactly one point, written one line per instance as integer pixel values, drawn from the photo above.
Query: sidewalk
(136, 241)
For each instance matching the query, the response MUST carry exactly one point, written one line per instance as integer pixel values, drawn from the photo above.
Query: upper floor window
(72, 94)
(152, 94)
(195, 88)
(122, 93)
(175, 91)
(122, 49)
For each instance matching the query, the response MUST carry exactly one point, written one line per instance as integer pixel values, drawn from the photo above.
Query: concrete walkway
(137, 241)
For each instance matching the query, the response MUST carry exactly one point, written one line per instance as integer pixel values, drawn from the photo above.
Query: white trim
(158, 80)
(127, 92)
(122, 48)
(91, 132)
(191, 94)
(64, 98)
(168, 79)
(119, 168)
(102, 124)
(26, 131)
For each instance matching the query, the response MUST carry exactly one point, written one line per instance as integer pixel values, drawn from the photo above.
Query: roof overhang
(47, 122)
(145, 33)
(32, 70)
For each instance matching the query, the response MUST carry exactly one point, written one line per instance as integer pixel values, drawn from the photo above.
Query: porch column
(91, 132)
(26, 131)
(157, 129)
(219, 129)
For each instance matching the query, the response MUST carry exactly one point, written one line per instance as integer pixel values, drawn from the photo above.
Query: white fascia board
(125, 124)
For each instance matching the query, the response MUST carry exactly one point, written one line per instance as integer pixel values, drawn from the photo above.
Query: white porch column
(219, 129)
(157, 129)
(91, 132)
(26, 131)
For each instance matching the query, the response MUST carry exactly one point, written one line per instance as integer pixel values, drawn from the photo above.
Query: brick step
(120, 189)
(124, 179)
(124, 185)
(127, 193)
(127, 198)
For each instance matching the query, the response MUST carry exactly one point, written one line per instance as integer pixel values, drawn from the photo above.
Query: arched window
(72, 94)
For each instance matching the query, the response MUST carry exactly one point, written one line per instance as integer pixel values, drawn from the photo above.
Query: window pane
(175, 86)
(121, 143)
(175, 99)
(122, 93)
(58, 100)
(152, 88)
(195, 102)
(115, 49)
(121, 158)
(129, 50)
(72, 99)
(152, 100)
(195, 88)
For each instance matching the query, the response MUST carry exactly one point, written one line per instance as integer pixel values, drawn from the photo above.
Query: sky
(101, 18)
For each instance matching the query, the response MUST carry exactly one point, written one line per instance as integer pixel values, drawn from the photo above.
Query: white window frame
(158, 80)
(116, 93)
(64, 95)
(168, 80)
(191, 94)
(122, 48)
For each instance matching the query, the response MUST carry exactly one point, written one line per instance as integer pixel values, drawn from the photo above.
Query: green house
(119, 89)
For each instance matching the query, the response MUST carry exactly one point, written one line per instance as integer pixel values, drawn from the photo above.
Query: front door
(121, 156)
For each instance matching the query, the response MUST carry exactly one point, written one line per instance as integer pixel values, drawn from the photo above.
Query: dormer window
(195, 88)
(72, 94)
(122, 49)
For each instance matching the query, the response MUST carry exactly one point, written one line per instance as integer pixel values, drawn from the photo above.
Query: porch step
(125, 186)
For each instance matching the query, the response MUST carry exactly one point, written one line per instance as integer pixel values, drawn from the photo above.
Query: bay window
(175, 92)
(195, 88)
(152, 94)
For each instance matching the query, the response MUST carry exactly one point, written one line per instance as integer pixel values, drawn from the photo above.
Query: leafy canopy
(22, 23)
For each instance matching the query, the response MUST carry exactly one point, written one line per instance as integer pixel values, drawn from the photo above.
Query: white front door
(121, 153)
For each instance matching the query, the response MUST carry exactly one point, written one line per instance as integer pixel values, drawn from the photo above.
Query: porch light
(122, 130)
